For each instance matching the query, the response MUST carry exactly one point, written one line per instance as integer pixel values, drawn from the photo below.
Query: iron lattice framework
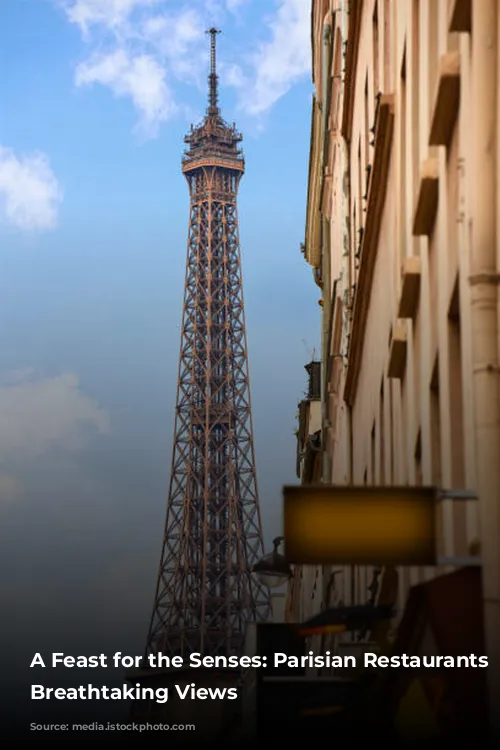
(206, 592)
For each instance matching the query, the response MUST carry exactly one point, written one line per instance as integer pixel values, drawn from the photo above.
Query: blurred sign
(334, 525)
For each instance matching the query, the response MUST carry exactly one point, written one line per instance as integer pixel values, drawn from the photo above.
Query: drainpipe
(326, 56)
(484, 267)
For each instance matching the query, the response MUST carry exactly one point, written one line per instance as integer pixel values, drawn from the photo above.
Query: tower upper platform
(213, 143)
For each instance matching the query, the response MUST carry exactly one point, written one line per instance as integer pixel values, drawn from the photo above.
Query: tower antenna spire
(213, 79)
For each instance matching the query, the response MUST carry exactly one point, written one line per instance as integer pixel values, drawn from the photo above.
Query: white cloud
(110, 13)
(141, 78)
(30, 194)
(232, 75)
(282, 61)
(137, 51)
(233, 5)
(173, 33)
(178, 39)
(37, 415)
(141, 49)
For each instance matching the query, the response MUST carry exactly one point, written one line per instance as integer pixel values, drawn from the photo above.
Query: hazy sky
(95, 98)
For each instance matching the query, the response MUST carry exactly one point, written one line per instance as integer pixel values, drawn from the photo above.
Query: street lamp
(273, 570)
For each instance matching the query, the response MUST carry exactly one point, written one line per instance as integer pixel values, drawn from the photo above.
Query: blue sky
(95, 98)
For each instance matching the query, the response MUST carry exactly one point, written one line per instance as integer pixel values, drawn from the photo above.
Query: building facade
(403, 238)
(305, 588)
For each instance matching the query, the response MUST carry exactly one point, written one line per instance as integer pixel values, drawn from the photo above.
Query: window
(366, 133)
(381, 435)
(432, 52)
(436, 451)
(455, 392)
(392, 476)
(373, 457)
(376, 42)
(415, 105)
(387, 43)
(418, 459)
(402, 187)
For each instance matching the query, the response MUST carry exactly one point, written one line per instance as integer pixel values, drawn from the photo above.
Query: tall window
(376, 53)
(415, 104)
(392, 463)
(402, 159)
(418, 459)
(353, 240)
(436, 448)
(432, 59)
(367, 130)
(403, 438)
(360, 188)
(381, 435)
(388, 4)
(455, 391)
(373, 455)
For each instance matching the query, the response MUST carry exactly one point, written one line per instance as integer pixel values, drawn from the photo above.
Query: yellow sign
(335, 525)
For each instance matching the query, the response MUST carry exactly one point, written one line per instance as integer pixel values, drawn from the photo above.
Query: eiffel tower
(206, 593)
